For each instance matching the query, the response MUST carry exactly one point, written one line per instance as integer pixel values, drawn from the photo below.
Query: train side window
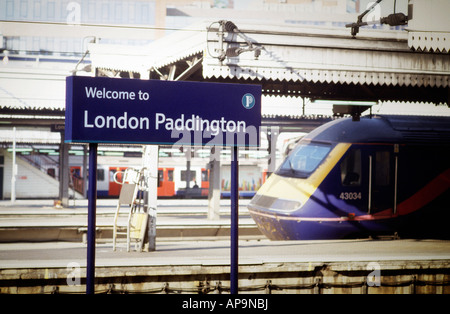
(170, 175)
(100, 174)
(382, 168)
(351, 168)
(205, 176)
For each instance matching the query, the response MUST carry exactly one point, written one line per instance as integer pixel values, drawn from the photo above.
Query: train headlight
(274, 203)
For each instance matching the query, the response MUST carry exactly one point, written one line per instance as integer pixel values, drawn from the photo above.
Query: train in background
(382, 175)
(172, 178)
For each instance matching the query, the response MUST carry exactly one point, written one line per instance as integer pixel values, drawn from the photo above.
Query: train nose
(266, 211)
(274, 204)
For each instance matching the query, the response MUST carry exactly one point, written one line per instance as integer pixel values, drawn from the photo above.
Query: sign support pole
(234, 221)
(92, 206)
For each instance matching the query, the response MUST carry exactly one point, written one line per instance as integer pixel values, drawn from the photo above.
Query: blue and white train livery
(378, 176)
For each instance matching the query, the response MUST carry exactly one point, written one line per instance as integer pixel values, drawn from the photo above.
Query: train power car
(381, 175)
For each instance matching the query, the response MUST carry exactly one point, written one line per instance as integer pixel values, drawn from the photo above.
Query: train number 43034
(350, 196)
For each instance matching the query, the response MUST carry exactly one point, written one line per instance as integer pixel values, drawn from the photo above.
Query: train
(379, 176)
(172, 178)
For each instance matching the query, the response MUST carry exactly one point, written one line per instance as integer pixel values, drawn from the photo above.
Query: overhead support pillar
(214, 184)
(272, 136)
(188, 154)
(14, 168)
(64, 172)
(150, 162)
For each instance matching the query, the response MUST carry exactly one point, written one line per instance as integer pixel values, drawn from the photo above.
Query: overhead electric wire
(128, 26)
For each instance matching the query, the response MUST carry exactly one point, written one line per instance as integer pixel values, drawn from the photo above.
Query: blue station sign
(108, 110)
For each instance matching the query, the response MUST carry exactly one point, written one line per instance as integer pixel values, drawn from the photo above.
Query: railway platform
(358, 266)
(201, 264)
(40, 220)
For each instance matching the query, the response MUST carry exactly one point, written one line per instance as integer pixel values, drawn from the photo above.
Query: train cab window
(303, 160)
(351, 168)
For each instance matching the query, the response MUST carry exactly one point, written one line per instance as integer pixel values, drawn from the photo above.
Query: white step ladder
(135, 226)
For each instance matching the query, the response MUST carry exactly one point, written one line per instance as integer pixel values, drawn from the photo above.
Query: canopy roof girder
(317, 63)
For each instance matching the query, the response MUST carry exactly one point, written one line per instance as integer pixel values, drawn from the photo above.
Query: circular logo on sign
(248, 101)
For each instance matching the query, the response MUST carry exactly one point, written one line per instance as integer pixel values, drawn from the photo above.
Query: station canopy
(312, 62)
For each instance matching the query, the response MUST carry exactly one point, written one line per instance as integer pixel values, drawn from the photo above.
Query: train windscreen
(303, 160)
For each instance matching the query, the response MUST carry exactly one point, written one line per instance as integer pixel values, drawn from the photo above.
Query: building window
(51, 8)
(10, 9)
(37, 9)
(23, 9)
